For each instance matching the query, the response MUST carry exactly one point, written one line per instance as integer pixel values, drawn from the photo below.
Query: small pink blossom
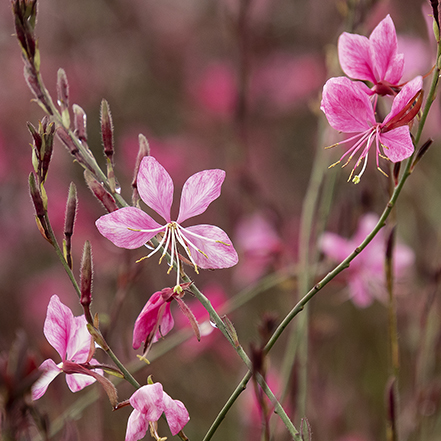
(69, 336)
(373, 59)
(349, 109)
(366, 274)
(206, 246)
(149, 402)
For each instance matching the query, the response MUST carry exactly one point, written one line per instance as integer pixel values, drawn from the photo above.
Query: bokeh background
(234, 85)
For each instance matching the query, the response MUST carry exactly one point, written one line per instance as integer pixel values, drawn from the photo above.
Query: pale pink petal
(49, 371)
(387, 63)
(404, 257)
(147, 319)
(403, 98)
(149, 401)
(115, 227)
(137, 426)
(176, 414)
(217, 255)
(354, 54)
(77, 382)
(347, 108)
(199, 191)
(59, 325)
(78, 346)
(335, 247)
(359, 292)
(398, 143)
(365, 226)
(155, 186)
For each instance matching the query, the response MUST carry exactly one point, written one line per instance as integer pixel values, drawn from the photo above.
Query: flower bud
(100, 192)
(63, 96)
(80, 122)
(71, 208)
(107, 130)
(86, 276)
(144, 150)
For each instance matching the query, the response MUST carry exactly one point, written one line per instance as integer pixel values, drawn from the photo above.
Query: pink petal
(335, 247)
(49, 371)
(346, 106)
(155, 186)
(77, 382)
(137, 426)
(217, 255)
(199, 191)
(404, 257)
(387, 63)
(115, 227)
(359, 293)
(59, 325)
(166, 324)
(176, 414)
(398, 143)
(404, 96)
(78, 346)
(354, 54)
(149, 401)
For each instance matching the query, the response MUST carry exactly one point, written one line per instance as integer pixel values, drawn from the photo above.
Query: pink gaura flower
(69, 336)
(349, 109)
(149, 402)
(365, 276)
(373, 59)
(206, 246)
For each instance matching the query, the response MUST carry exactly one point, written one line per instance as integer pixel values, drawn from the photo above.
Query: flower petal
(49, 371)
(354, 53)
(176, 414)
(404, 96)
(59, 325)
(346, 106)
(77, 382)
(155, 186)
(166, 324)
(217, 255)
(155, 309)
(137, 426)
(335, 247)
(78, 346)
(199, 191)
(115, 227)
(387, 63)
(398, 143)
(149, 401)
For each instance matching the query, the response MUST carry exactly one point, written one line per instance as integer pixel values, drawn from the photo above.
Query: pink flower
(349, 109)
(69, 336)
(206, 246)
(374, 59)
(149, 402)
(365, 276)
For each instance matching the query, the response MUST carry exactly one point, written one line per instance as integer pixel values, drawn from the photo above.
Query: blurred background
(234, 85)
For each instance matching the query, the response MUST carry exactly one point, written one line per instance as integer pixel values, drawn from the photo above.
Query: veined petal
(78, 346)
(216, 255)
(199, 191)
(77, 382)
(59, 325)
(346, 106)
(155, 186)
(176, 414)
(166, 324)
(354, 54)
(149, 401)
(115, 227)
(387, 65)
(49, 371)
(398, 143)
(147, 319)
(137, 426)
(404, 96)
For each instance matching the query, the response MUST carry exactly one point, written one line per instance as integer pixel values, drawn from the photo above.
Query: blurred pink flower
(69, 336)
(349, 109)
(149, 402)
(258, 243)
(373, 59)
(365, 276)
(206, 246)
